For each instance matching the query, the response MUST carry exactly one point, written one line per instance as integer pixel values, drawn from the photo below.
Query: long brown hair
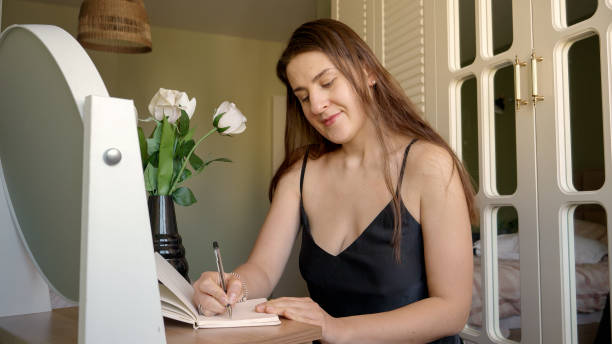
(386, 103)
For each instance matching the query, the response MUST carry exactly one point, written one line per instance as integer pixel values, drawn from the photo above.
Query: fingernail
(232, 298)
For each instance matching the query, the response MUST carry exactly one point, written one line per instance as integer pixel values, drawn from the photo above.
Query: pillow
(507, 246)
(591, 230)
(587, 251)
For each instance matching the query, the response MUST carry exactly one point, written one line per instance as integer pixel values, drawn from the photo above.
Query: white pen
(221, 274)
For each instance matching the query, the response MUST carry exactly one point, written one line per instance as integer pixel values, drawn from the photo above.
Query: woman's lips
(331, 119)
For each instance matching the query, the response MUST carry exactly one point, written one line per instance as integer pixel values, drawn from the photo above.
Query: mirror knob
(112, 156)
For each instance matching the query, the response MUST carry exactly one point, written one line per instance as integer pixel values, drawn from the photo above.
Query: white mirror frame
(118, 293)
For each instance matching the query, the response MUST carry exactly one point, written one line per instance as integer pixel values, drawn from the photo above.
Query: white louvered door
(394, 30)
(403, 44)
(360, 15)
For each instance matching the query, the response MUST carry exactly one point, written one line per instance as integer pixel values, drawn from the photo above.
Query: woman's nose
(318, 102)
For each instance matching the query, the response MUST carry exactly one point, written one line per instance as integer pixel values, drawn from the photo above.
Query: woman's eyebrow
(316, 77)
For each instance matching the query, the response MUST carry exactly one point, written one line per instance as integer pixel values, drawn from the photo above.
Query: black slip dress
(365, 278)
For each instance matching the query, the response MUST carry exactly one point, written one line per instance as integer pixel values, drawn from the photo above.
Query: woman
(403, 274)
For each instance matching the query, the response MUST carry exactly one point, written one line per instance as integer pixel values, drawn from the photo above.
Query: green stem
(187, 159)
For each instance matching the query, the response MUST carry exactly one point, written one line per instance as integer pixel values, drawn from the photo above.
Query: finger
(274, 303)
(291, 300)
(208, 286)
(287, 302)
(293, 313)
(307, 315)
(301, 317)
(209, 303)
(209, 313)
(196, 292)
(261, 308)
(234, 290)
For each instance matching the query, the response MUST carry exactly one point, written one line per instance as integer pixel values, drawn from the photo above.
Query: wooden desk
(61, 326)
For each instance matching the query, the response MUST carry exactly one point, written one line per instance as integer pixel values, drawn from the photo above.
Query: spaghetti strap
(303, 169)
(401, 175)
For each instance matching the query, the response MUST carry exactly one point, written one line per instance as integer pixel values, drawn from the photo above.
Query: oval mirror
(45, 76)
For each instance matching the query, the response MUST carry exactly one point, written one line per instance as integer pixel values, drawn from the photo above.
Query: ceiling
(272, 20)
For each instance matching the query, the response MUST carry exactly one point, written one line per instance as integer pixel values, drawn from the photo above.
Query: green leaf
(152, 146)
(153, 141)
(196, 162)
(184, 176)
(150, 176)
(222, 129)
(158, 128)
(144, 156)
(217, 159)
(175, 170)
(183, 196)
(176, 145)
(165, 169)
(216, 120)
(189, 135)
(183, 124)
(210, 162)
(154, 159)
(185, 149)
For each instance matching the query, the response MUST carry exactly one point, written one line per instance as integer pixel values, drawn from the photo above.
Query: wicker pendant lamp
(114, 25)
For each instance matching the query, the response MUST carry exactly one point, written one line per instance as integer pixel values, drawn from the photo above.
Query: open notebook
(176, 295)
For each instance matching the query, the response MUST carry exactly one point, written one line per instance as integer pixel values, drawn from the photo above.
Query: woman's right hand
(209, 297)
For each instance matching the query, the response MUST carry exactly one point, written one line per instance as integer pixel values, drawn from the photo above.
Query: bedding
(592, 287)
(591, 291)
(587, 250)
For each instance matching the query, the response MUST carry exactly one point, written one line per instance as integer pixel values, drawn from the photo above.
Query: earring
(372, 83)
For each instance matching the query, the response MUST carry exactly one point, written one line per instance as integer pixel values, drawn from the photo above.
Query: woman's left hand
(305, 310)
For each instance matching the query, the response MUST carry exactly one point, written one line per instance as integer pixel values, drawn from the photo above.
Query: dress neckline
(364, 232)
(403, 208)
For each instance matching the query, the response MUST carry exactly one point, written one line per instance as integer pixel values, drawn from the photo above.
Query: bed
(591, 279)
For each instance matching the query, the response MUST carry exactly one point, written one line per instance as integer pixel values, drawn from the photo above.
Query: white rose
(169, 103)
(232, 118)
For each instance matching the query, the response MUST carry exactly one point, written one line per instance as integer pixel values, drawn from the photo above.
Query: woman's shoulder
(291, 176)
(429, 161)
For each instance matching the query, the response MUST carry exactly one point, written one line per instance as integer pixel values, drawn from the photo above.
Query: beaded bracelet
(245, 291)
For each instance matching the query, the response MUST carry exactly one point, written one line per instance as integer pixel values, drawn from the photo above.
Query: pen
(221, 274)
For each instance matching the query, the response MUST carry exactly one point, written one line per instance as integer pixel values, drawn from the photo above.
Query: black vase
(166, 239)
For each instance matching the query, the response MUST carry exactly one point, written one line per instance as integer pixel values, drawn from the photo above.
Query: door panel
(504, 119)
(506, 152)
(561, 133)
(508, 273)
(588, 232)
(585, 112)
(468, 150)
(578, 10)
(466, 22)
(501, 17)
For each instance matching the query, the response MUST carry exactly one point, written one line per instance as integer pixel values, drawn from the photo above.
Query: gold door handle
(535, 97)
(517, 83)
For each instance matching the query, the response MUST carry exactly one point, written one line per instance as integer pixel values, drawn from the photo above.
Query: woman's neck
(365, 149)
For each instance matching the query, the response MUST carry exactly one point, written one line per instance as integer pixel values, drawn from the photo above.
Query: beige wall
(232, 198)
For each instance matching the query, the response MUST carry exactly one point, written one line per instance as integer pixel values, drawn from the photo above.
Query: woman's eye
(303, 100)
(328, 84)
